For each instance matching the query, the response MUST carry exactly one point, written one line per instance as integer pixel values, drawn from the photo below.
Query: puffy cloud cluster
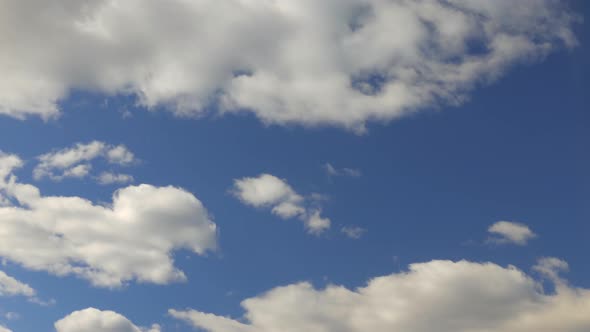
(336, 62)
(440, 296)
(510, 232)
(4, 329)
(74, 162)
(131, 239)
(93, 320)
(269, 191)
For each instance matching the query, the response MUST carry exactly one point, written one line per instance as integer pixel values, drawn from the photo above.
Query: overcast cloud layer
(440, 296)
(132, 239)
(336, 62)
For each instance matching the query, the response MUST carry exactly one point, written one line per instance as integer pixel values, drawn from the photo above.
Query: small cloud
(353, 232)
(349, 172)
(106, 178)
(550, 267)
(9, 286)
(316, 224)
(269, 191)
(510, 232)
(75, 162)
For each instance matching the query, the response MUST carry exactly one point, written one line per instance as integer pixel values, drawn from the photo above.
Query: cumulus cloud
(510, 232)
(133, 238)
(335, 62)
(4, 329)
(93, 320)
(73, 162)
(333, 171)
(442, 295)
(269, 191)
(353, 232)
(9, 286)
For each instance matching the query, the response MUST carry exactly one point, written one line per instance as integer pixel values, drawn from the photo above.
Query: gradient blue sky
(431, 184)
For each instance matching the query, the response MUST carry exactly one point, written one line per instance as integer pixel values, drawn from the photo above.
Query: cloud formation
(269, 191)
(74, 162)
(110, 178)
(450, 296)
(333, 171)
(132, 238)
(94, 320)
(12, 287)
(335, 62)
(353, 232)
(510, 232)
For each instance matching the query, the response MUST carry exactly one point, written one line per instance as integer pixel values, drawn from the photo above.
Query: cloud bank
(131, 239)
(442, 296)
(334, 62)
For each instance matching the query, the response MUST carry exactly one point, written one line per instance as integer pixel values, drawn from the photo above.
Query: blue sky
(430, 179)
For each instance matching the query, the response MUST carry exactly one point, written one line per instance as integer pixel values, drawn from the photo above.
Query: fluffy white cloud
(511, 232)
(440, 296)
(333, 171)
(94, 320)
(72, 162)
(337, 62)
(4, 329)
(131, 239)
(12, 287)
(269, 191)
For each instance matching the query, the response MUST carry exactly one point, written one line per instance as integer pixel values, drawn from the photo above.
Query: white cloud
(12, 287)
(511, 232)
(336, 62)
(94, 320)
(72, 162)
(550, 267)
(353, 232)
(4, 329)
(110, 178)
(269, 191)
(333, 171)
(315, 223)
(132, 238)
(442, 296)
